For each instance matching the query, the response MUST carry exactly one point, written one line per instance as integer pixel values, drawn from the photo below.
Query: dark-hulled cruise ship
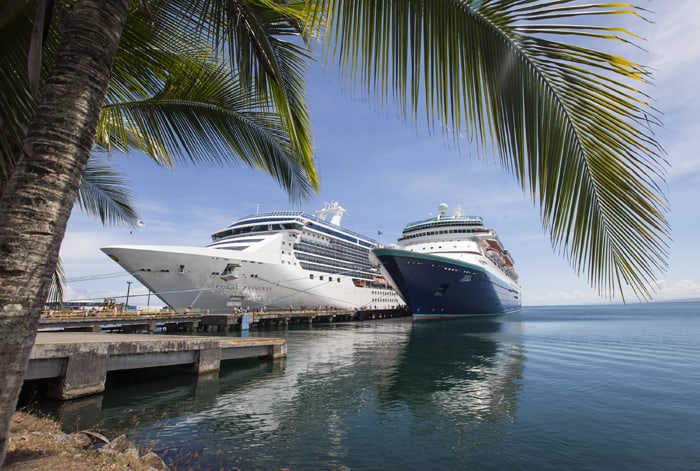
(449, 267)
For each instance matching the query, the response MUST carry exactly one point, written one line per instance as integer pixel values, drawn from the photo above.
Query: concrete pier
(77, 363)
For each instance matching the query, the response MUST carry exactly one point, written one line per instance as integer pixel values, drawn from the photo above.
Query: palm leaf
(260, 41)
(57, 288)
(16, 101)
(567, 119)
(104, 193)
(175, 101)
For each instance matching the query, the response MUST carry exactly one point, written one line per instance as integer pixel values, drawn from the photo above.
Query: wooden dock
(77, 363)
(200, 321)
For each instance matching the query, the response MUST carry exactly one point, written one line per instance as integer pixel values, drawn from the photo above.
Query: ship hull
(437, 287)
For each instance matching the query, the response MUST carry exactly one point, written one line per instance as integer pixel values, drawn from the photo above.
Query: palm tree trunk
(38, 198)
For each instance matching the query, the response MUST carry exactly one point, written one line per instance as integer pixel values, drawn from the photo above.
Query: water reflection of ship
(468, 369)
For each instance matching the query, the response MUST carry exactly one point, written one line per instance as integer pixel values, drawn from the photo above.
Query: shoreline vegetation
(39, 443)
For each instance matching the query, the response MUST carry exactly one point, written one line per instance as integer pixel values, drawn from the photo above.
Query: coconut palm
(566, 118)
(103, 192)
(173, 98)
(170, 100)
(168, 97)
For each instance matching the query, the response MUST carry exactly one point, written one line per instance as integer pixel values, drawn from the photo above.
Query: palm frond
(58, 284)
(16, 102)
(17, 90)
(261, 43)
(104, 193)
(217, 117)
(567, 119)
(200, 113)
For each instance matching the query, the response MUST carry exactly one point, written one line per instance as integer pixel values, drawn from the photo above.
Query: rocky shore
(38, 443)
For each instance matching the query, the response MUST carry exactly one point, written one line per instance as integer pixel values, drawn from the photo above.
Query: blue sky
(387, 173)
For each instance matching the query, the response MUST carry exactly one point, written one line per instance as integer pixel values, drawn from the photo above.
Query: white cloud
(557, 298)
(682, 289)
(674, 56)
(674, 44)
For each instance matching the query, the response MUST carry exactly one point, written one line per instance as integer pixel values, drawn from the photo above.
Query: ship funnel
(332, 209)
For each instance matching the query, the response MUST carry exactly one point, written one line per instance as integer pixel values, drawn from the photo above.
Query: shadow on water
(137, 398)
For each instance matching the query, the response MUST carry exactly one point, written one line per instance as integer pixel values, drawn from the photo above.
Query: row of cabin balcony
(453, 231)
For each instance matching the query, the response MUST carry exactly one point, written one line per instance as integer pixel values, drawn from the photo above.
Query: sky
(387, 173)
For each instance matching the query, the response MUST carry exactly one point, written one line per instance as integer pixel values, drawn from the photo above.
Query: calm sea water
(565, 388)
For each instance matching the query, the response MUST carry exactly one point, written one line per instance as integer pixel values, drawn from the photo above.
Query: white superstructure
(462, 238)
(276, 260)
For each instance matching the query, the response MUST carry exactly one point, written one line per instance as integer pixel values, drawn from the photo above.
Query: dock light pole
(128, 289)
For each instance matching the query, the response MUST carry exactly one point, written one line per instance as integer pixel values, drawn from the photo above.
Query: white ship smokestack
(333, 209)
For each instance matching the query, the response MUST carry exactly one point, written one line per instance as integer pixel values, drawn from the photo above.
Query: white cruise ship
(276, 260)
